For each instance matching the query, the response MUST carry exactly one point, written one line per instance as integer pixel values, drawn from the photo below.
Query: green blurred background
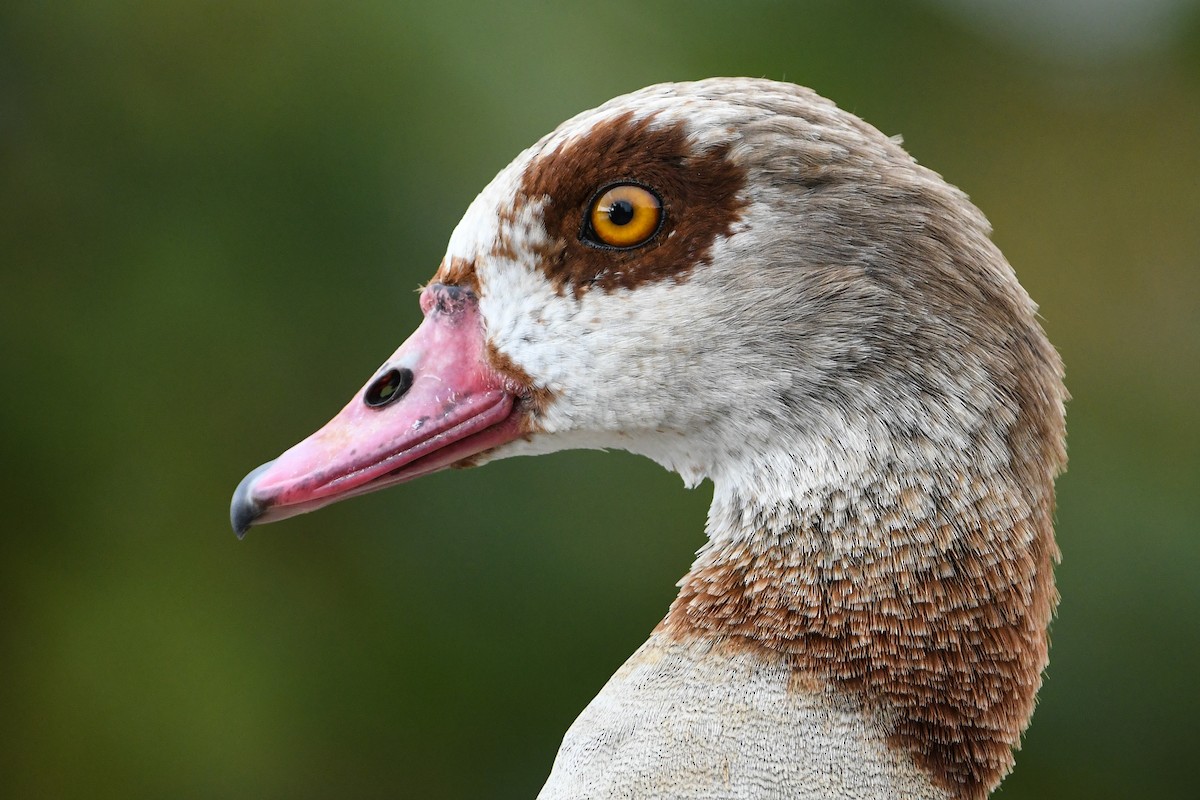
(212, 218)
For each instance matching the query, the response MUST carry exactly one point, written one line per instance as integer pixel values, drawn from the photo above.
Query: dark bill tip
(243, 509)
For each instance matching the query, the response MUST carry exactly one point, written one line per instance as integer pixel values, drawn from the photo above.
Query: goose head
(746, 284)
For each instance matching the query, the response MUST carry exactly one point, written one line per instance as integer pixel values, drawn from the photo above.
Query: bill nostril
(388, 387)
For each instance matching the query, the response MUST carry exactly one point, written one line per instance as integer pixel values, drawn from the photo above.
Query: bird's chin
(437, 403)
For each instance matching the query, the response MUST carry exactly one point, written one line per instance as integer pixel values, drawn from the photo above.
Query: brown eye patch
(699, 192)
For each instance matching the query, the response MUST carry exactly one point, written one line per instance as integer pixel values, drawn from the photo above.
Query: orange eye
(625, 215)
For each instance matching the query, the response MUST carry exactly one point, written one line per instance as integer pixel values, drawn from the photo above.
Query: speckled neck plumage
(925, 602)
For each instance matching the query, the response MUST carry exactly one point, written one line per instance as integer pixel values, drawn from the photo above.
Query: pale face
(565, 314)
(673, 349)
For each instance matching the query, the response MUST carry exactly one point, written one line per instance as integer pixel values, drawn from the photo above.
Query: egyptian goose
(744, 283)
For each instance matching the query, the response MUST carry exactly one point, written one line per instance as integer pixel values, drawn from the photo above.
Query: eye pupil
(621, 212)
